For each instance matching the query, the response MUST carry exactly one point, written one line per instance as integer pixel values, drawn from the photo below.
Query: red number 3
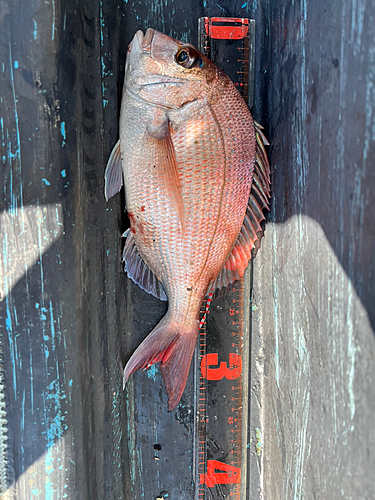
(219, 372)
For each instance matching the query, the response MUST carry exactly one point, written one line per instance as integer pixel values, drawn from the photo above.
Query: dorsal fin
(139, 272)
(238, 260)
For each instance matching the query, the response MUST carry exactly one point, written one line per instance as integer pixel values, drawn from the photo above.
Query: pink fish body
(187, 153)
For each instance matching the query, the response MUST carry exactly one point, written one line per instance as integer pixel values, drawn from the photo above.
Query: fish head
(165, 72)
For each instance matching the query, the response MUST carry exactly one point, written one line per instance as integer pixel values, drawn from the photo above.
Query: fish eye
(182, 56)
(188, 58)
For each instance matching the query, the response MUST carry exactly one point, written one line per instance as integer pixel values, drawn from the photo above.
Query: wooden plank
(313, 296)
(60, 251)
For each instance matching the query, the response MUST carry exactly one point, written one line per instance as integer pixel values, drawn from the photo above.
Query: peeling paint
(35, 32)
(63, 133)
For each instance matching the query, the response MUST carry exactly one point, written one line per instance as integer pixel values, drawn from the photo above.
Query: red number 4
(229, 474)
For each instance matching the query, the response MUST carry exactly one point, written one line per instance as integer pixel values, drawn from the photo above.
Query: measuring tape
(222, 398)
(222, 355)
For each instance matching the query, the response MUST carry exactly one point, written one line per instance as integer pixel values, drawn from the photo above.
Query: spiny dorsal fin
(113, 173)
(139, 272)
(238, 260)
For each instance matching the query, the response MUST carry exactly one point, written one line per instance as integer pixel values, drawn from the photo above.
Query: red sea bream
(188, 155)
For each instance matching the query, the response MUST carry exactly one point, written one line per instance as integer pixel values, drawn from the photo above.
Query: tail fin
(171, 344)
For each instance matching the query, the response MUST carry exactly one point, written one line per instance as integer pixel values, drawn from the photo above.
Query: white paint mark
(53, 19)
(38, 476)
(24, 247)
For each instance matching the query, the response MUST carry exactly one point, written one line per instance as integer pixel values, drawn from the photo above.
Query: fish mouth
(137, 97)
(148, 83)
(161, 80)
(144, 41)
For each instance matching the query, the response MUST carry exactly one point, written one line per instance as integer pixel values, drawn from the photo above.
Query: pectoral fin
(113, 173)
(166, 164)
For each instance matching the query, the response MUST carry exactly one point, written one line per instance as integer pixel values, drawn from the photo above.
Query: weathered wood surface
(60, 264)
(68, 314)
(313, 299)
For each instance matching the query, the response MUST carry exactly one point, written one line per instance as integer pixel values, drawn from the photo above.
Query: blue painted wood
(313, 314)
(60, 259)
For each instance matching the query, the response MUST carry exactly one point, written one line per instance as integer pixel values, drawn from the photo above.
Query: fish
(197, 179)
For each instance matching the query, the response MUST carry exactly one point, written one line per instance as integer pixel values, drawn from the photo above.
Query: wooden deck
(69, 316)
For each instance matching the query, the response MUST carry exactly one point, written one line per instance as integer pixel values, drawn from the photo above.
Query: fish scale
(200, 200)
